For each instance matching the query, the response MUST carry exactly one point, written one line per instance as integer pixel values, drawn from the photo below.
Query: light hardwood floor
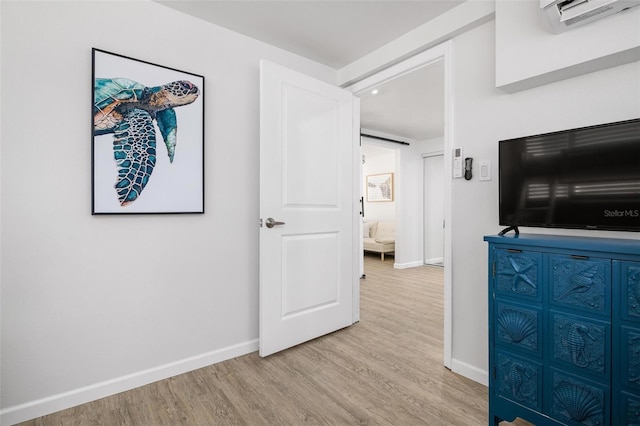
(385, 370)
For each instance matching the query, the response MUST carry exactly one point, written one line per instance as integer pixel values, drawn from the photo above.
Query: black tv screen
(586, 178)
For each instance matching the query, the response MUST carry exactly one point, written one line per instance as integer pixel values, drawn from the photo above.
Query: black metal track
(384, 139)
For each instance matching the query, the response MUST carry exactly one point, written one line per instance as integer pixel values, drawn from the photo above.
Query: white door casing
(442, 52)
(308, 265)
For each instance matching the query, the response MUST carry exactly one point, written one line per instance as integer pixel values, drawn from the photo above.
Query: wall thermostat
(457, 163)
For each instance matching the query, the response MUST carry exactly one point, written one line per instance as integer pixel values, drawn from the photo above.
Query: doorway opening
(410, 211)
(379, 198)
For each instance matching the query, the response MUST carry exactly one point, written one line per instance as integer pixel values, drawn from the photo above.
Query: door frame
(442, 52)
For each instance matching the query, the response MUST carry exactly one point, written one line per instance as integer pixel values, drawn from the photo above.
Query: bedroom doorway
(410, 170)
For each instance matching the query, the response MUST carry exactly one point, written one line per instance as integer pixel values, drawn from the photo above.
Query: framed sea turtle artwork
(147, 137)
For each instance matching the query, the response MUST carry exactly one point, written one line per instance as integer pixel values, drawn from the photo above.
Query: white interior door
(434, 209)
(307, 182)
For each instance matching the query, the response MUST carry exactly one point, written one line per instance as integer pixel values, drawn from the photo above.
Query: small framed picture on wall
(380, 187)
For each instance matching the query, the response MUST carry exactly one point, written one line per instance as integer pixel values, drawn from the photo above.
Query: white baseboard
(30, 410)
(434, 260)
(469, 371)
(407, 265)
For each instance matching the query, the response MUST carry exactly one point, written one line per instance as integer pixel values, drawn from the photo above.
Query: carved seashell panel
(633, 290)
(580, 343)
(517, 326)
(578, 402)
(631, 357)
(519, 380)
(630, 410)
(582, 284)
(517, 273)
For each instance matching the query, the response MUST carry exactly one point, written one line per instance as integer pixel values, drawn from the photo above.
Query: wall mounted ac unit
(566, 14)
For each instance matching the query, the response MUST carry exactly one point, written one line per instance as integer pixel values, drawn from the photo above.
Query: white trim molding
(470, 372)
(407, 265)
(52, 404)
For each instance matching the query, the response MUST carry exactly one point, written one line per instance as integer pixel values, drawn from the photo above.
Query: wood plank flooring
(385, 370)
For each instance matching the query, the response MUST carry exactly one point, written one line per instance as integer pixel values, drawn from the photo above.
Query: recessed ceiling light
(374, 92)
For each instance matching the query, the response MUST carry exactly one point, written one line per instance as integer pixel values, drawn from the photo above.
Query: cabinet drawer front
(517, 273)
(581, 344)
(630, 352)
(519, 380)
(583, 284)
(630, 282)
(630, 413)
(518, 327)
(577, 401)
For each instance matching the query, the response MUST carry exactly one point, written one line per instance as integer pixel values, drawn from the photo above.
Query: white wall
(484, 115)
(405, 161)
(409, 223)
(92, 305)
(432, 145)
(528, 54)
(379, 160)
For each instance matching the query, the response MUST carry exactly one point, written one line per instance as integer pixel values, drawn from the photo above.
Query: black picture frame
(147, 150)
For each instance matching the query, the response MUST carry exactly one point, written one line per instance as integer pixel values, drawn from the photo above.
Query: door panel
(310, 147)
(309, 285)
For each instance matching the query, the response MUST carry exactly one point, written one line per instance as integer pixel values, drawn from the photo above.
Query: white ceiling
(336, 33)
(411, 106)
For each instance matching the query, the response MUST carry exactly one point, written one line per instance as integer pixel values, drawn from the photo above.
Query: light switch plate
(485, 170)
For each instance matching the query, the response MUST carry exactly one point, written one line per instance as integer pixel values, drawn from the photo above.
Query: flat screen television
(586, 178)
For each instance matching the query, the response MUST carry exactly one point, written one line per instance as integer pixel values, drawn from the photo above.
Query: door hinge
(260, 222)
(493, 269)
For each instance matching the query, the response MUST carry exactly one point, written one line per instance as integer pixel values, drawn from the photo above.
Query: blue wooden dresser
(564, 330)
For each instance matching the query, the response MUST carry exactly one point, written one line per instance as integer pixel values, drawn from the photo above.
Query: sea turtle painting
(129, 109)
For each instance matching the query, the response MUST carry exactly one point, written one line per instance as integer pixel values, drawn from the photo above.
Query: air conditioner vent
(563, 14)
(580, 18)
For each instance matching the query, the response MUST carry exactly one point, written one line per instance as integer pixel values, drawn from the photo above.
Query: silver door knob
(270, 222)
